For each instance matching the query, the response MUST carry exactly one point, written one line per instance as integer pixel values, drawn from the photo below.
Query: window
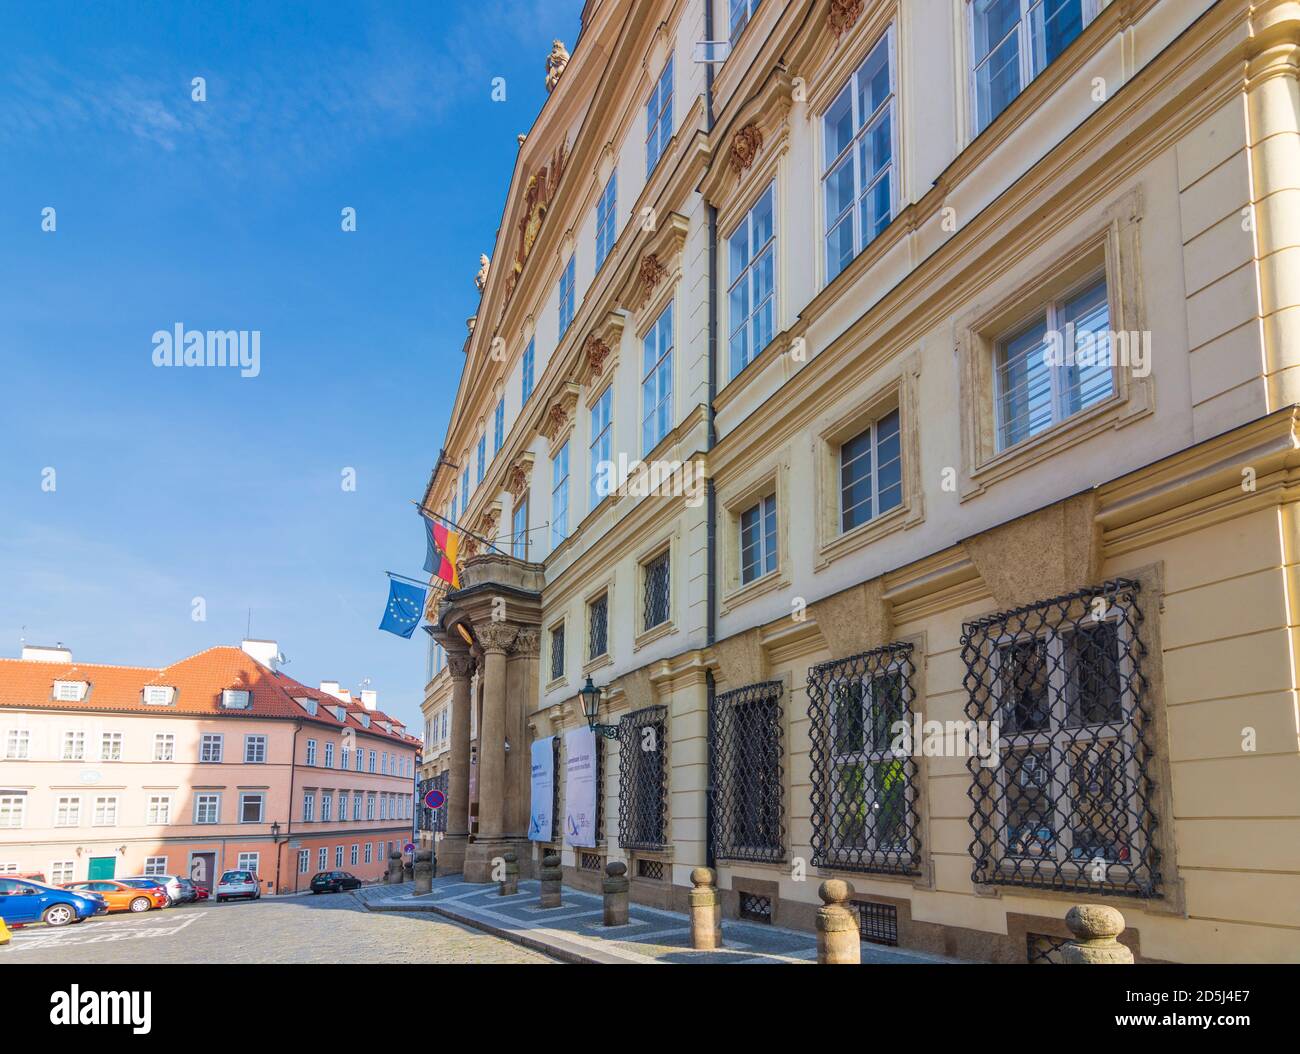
(657, 592)
(741, 12)
(158, 695)
(343, 805)
(464, 488)
(657, 381)
(12, 808)
(560, 496)
(110, 746)
(1056, 366)
(17, 744)
(105, 811)
(67, 812)
(329, 755)
(304, 861)
(519, 529)
(326, 807)
(871, 480)
(207, 808)
(358, 763)
(372, 761)
(155, 865)
(254, 750)
(308, 807)
(61, 871)
(659, 118)
(369, 852)
(370, 806)
(498, 431)
(383, 762)
(236, 699)
(527, 371)
(160, 809)
(859, 179)
(599, 452)
(606, 220)
(249, 862)
(1013, 41)
(250, 808)
(352, 857)
(70, 691)
(643, 778)
(74, 746)
(345, 757)
(210, 748)
(758, 540)
(164, 746)
(751, 300)
(322, 858)
(311, 752)
(598, 626)
(745, 753)
(1063, 799)
(356, 806)
(557, 651)
(480, 458)
(338, 856)
(566, 296)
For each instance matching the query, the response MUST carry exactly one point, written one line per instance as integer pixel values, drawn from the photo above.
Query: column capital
(527, 641)
(496, 636)
(461, 664)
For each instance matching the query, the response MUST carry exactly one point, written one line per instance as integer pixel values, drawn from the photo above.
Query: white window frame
(212, 748)
(205, 804)
(164, 746)
(606, 219)
(737, 27)
(527, 365)
(74, 745)
(311, 752)
(873, 473)
(159, 810)
(499, 426)
(658, 108)
(255, 749)
(329, 755)
(749, 275)
(308, 807)
(13, 810)
(250, 862)
(560, 495)
(155, 865)
(67, 810)
(766, 547)
(18, 744)
(653, 342)
(338, 857)
(247, 798)
(353, 856)
(600, 447)
(567, 294)
(322, 858)
(62, 871)
(105, 811)
(304, 861)
(356, 805)
(110, 746)
(519, 528)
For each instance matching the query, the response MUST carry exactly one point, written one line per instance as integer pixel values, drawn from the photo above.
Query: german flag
(440, 557)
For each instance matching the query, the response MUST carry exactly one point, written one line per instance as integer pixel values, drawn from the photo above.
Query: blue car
(25, 901)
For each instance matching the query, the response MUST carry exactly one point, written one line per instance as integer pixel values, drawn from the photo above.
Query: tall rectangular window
(17, 744)
(527, 371)
(480, 460)
(1013, 41)
(859, 176)
(251, 807)
(751, 298)
(329, 755)
(110, 746)
(249, 862)
(557, 651)
(372, 761)
(322, 858)
(164, 746)
(598, 626)
(602, 478)
(304, 861)
(657, 583)
(356, 806)
(308, 807)
(326, 807)
(74, 746)
(464, 490)
(657, 381)
(343, 805)
(741, 12)
(566, 296)
(254, 750)
(338, 856)
(499, 426)
(560, 496)
(352, 857)
(67, 812)
(659, 118)
(871, 479)
(758, 540)
(210, 748)
(61, 871)
(105, 811)
(207, 808)
(311, 752)
(519, 529)
(370, 806)
(606, 219)
(1056, 366)
(160, 809)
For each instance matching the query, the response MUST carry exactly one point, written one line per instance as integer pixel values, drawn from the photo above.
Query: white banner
(580, 787)
(539, 822)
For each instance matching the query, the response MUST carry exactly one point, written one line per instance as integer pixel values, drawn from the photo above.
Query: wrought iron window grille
(556, 798)
(589, 862)
(1042, 949)
(650, 869)
(1068, 803)
(441, 782)
(657, 582)
(597, 627)
(747, 796)
(643, 778)
(755, 908)
(864, 795)
(877, 923)
(557, 652)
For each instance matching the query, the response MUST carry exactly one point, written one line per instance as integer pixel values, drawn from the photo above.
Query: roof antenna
(248, 631)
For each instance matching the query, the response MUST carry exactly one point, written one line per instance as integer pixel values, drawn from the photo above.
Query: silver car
(238, 884)
(171, 883)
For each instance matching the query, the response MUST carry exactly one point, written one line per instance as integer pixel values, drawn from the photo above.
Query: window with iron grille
(556, 771)
(557, 651)
(657, 583)
(643, 779)
(1066, 802)
(864, 795)
(441, 782)
(598, 626)
(747, 799)
(755, 908)
(1042, 949)
(651, 869)
(877, 923)
(589, 862)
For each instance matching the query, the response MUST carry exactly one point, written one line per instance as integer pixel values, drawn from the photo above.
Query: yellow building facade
(960, 340)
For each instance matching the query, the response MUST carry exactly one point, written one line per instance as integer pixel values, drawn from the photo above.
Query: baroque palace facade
(980, 321)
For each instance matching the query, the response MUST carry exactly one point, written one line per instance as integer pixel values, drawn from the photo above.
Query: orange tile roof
(199, 681)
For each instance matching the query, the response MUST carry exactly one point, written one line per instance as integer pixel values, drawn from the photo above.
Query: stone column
(455, 840)
(423, 869)
(615, 889)
(1095, 928)
(551, 876)
(838, 940)
(706, 912)
(495, 638)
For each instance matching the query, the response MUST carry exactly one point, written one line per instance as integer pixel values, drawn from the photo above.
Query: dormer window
(385, 726)
(159, 695)
(71, 691)
(341, 713)
(236, 699)
(307, 704)
(364, 719)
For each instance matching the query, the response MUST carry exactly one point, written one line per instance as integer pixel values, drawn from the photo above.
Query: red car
(203, 892)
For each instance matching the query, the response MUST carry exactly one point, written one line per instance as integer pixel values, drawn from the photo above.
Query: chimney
(44, 653)
(370, 700)
(331, 688)
(267, 652)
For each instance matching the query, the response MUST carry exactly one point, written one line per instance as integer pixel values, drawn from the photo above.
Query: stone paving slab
(574, 931)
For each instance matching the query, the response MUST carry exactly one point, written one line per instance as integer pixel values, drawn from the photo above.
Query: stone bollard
(838, 939)
(394, 868)
(422, 871)
(706, 912)
(615, 887)
(550, 876)
(509, 885)
(408, 870)
(1095, 928)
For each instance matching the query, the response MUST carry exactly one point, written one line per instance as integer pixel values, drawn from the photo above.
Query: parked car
(121, 897)
(34, 876)
(151, 883)
(238, 884)
(25, 901)
(202, 893)
(171, 883)
(334, 882)
(189, 891)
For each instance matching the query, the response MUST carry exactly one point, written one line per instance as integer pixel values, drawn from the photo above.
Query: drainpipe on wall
(288, 834)
(711, 540)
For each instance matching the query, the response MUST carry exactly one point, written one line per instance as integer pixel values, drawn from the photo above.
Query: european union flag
(405, 607)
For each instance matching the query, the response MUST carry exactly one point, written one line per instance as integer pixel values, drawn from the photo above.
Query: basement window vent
(71, 691)
(589, 862)
(1042, 949)
(877, 923)
(307, 704)
(755, 908)
(159, 695)
(651, 869)
(236, 699)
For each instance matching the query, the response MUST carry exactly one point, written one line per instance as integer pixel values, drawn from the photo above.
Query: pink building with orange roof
(217, 761)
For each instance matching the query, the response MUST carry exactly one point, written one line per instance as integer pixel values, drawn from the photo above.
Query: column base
(481, 853)
(450, 854)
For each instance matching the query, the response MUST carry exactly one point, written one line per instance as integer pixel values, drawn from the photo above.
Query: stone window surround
(665, 544)
(557, 682)
(733, 500)
(1110, 247)
(605, 588)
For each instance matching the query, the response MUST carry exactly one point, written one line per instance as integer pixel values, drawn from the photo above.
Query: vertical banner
(580, 787)
(539, 821)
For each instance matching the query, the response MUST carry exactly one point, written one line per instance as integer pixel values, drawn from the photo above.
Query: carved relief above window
(842, 15)
(560, 416)
(599, 356)
(648, 276)
(745, 145)
(520, 472)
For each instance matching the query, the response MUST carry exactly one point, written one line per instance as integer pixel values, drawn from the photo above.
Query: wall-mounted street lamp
(591, 709)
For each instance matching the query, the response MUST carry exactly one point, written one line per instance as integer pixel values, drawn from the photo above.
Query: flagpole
(456, 526)
(413, 581)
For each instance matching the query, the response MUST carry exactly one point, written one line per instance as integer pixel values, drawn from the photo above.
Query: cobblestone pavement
(330, 928)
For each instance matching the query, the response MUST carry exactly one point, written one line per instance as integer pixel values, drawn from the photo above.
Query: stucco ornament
(650, 274)
(596, 352)
(480, 279)
(555, 63)
(842, 14)
(538, 194)
(745, 145)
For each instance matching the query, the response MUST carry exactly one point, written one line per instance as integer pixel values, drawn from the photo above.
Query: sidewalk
(574, 933)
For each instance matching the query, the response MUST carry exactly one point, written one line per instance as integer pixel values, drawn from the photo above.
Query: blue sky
(173, 484)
